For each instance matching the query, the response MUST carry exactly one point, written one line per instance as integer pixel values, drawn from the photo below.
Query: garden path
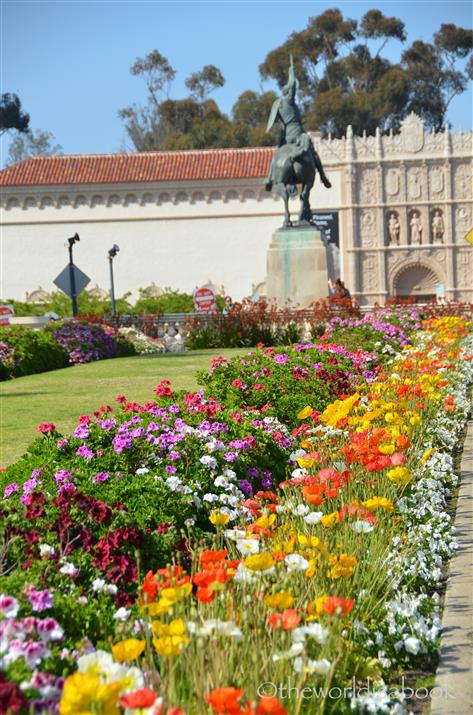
(453, 692)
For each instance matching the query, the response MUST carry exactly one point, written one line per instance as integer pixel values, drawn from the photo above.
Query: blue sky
(69, 60)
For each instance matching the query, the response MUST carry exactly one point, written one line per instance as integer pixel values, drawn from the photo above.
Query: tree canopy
(11, 114)
(344, 78)
(32, 143)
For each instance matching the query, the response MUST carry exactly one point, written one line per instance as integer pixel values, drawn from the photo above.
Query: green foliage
(32, 143)
(345, 80)
(282, 381)
(34, 351)
(11, 114)
(171, 301)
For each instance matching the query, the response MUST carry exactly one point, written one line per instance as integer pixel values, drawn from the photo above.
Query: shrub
(30, 351)
(246, 324)
(370, 333)
(282, 381)
(84, 342)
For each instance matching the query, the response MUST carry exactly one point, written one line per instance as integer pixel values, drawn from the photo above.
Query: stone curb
(453, 692)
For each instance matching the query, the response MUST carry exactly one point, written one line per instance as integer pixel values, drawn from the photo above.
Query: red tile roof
(194, 165)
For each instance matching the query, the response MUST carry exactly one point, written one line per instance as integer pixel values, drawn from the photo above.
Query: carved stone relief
(464, 268)
(368, 227)
(414, 184)
(370, 272)
(462, 182)
(462, 221)
(412, 132)
(436, 182)
(392, 182)
(367, 187)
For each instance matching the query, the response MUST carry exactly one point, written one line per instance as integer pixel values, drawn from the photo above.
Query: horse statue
(295, 161)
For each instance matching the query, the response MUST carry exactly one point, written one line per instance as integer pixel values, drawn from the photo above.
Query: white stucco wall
(173, 235)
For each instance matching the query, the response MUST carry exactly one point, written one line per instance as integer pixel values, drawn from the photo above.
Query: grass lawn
(62, 396)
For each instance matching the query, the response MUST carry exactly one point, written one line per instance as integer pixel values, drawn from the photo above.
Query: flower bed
(302, 567)
(25, 351)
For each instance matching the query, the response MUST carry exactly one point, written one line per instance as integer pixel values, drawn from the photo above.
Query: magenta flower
(9, 489)
(84, 451)
(46, 428)
(40, 600)
(8, 606)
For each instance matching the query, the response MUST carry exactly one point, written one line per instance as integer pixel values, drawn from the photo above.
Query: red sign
(6, 312)
(204, 300)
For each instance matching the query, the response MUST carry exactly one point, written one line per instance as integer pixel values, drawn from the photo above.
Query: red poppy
(143, 698)
(225, 700)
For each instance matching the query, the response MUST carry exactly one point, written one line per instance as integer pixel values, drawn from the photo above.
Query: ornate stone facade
(404, 205)
(406, 208)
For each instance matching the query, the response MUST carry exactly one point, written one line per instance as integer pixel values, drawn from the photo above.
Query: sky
(69, 60)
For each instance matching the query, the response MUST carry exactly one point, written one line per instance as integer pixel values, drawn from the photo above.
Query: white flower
(234, 534)
(210, 497)
(98, 584)
(315, 517)
(247, 546)
(321, 667)
(122, 614)
(301, 510)
(97, 663)
(132, 679)
(69, 569)
(142, 470)
(208, 461)
(46, 550)
(295, 650)
(9, 606)
(362, 527)
(412, 645)
(312, 630)
(296, 562)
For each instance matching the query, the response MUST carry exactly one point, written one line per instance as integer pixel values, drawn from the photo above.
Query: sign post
(71, 279)
(204, 300)
(6, 312)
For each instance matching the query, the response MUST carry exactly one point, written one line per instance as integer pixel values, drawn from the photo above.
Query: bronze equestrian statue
(295, 160)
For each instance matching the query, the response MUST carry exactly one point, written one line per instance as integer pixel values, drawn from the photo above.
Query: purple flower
(62, 475)
(67, 488)
(230, 457)
(100, 477)
(84, 451)
(280, 359)
(173, 456)
(30, 485)
(81, 432)
(108, 424)
(40, 600)
(9, 489)
(246, 487)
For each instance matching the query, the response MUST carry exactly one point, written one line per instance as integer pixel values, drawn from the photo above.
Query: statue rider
(286, 112)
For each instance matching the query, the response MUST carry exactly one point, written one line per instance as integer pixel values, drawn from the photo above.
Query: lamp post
(111, 255)
(74, 239)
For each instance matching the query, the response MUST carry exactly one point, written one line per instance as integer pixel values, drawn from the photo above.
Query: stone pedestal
(297, 266)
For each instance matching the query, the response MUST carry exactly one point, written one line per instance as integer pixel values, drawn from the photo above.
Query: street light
(74, 239)
(111, 255)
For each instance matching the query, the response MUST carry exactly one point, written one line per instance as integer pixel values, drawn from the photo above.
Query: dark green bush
(34, 350)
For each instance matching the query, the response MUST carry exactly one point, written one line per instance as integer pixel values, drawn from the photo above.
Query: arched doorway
(416, 281)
